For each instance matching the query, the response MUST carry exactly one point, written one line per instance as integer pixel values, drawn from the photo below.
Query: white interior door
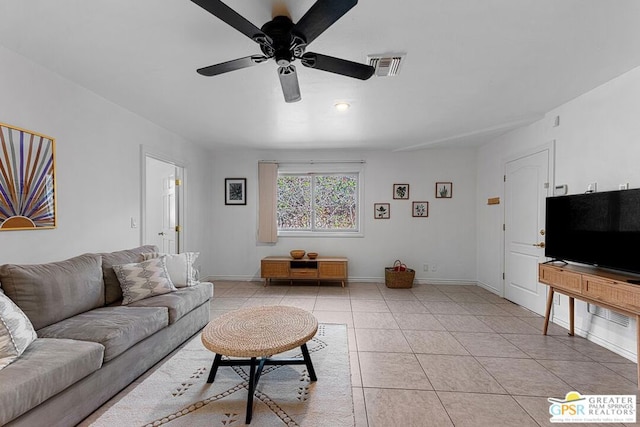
(161, 205)
(168, 233)
(526, 187)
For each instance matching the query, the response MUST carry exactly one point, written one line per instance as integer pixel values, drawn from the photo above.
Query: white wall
(596, 141)
(99, 190)
(445, 238)
(98, 173)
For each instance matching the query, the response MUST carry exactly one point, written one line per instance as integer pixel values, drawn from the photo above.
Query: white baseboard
(598, 340)
(490, 288)
(447, 282)
(424, 281)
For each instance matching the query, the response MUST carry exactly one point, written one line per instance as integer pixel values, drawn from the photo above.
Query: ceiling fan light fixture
(341, 106)
(289, 83)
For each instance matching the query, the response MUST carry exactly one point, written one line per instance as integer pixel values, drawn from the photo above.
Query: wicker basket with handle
(399, 276)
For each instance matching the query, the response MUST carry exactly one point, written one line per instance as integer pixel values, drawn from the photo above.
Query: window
(318, 202)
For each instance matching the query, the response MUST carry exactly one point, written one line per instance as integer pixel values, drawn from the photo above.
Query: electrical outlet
(556, 299)
(592, 188)
(425, 267)
(623, 186)
(134, 223)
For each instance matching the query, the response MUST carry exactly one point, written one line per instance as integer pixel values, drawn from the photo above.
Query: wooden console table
(321, 268)
(600, 287)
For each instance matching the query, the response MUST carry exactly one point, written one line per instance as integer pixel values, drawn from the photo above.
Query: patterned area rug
(177, 393)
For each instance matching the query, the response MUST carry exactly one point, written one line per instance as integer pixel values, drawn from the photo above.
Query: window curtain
(267, 202)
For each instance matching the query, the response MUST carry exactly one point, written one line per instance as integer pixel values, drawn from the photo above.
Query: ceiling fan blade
(321, 16)
(337, 65)
(289, 83)
(236, 64)
(234, 19)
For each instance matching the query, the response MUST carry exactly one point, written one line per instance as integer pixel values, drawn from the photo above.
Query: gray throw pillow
(143, 279)
(112, 289)
(179, 266)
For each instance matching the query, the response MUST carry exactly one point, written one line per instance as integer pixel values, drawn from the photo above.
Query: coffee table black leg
(214, 368)
(252, 385)
(307, 361)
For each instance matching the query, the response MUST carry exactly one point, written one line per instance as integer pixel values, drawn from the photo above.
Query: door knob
(540, 245)
(161, 233)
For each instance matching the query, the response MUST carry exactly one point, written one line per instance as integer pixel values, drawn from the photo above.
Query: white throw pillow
(179, 266)
(142, 280)
(16, 331)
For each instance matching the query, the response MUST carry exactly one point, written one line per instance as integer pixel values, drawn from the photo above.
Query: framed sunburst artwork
(27, 180)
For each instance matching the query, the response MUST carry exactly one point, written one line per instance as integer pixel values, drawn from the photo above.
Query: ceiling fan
(282, 40)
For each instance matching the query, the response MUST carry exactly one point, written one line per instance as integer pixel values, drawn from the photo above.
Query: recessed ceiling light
(342, 106)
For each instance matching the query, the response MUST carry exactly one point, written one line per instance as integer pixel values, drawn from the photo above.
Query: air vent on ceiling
(386, 65)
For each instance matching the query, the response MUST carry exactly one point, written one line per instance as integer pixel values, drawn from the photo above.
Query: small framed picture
(235, 191)
(444, 190)
(420, 209)
(382, 210)
(401, 191)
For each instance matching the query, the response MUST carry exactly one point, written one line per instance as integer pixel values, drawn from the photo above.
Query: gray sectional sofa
(89, 346)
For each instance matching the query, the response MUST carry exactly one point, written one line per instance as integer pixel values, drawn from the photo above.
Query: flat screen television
(601, 229)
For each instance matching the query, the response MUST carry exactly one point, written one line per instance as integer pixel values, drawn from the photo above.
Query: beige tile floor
(446, 355)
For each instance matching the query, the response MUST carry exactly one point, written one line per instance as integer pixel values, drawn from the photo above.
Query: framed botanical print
(444, 190)
(27, 180)
(420, 209)
(235, 191)
(382, 210)
(401, 191)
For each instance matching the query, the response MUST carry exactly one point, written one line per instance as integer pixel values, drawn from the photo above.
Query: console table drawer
(614, 293)
(304, 273)
(561, 279)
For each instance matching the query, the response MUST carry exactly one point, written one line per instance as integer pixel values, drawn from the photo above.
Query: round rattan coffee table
(259, 332)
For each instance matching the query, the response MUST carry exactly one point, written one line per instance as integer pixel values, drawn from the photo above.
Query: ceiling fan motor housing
(282, 48)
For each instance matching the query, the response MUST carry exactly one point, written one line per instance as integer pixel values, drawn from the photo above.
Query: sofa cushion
(179, 266)
(116, 328)
(112, 289)
(45, 368)
(16, 331)
(144, 279)
(48, 293)
(181, 301)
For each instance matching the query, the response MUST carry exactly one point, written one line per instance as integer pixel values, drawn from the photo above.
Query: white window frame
(327, 169)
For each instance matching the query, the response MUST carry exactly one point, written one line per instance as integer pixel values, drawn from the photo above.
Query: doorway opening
(163, 204)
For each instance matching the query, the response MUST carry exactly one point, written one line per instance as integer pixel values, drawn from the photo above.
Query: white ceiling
(473, 69)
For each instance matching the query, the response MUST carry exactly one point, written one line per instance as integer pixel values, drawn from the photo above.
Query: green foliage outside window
(318, 202)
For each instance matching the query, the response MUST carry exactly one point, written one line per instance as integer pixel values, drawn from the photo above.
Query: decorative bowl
(297, 253)
(312, 255)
